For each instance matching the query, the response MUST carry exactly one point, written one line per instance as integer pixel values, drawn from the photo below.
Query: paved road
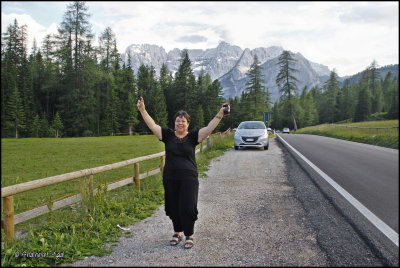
(256, 208)
(369, 173)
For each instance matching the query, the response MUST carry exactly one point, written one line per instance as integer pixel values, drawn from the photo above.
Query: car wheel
(236, 147)
(266, 147)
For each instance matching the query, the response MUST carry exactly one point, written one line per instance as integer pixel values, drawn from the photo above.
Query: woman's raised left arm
(206, 131)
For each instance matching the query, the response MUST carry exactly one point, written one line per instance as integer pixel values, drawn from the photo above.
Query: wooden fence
(8, 192)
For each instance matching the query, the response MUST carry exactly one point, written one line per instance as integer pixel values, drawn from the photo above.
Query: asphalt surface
(369, 173)
(256, 208)
(381, 240)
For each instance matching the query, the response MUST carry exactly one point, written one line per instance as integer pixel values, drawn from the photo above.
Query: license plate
(250, 140)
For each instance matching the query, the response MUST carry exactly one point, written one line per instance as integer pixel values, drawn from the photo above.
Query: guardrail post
(9, 218)
(137, 176)
(162, 164)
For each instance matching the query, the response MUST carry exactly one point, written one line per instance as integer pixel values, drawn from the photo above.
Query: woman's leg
(188, 205)
(171, 193)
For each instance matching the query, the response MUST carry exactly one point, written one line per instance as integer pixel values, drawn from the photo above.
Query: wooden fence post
(137, 176)
(162, 164)
(9, 218)
(89, 179)
(201, 146)
(208, 143)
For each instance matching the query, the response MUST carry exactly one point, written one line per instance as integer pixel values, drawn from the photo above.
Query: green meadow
(378, 133)
(30, 159)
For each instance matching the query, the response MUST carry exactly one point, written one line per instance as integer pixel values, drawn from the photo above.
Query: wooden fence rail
(8, 192)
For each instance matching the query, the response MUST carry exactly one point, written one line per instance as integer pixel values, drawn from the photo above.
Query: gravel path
(248, 216)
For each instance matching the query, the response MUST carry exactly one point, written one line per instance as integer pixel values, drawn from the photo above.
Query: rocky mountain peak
(227, 63)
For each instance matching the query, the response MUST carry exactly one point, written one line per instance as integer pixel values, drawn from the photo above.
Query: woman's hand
(140, 104)
(221, 111)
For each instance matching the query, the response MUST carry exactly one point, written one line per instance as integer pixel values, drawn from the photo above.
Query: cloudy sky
(345, 36)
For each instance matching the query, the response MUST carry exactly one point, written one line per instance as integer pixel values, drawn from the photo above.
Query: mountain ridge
(229, 64)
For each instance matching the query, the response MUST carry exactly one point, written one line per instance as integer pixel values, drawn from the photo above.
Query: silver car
(251, 134)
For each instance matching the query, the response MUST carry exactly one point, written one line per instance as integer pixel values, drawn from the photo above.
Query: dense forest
(69, 87)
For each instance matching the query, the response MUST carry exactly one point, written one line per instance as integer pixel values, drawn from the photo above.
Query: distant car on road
(286, 130)
(251, 134)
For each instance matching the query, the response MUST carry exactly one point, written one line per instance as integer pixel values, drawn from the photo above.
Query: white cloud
(342, 35)
(35, 31)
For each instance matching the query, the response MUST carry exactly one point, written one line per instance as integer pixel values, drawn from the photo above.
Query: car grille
(250, 139)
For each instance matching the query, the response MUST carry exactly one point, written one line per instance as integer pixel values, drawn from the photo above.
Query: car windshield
(252, 125)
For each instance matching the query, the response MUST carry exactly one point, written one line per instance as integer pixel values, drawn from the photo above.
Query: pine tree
(183, 84)
(286, 81)
(346, 101)
(15, 112)
(107, 43)
(76, 56)
(44, 127)
(13, 66)
(160, 107)
(166, 82)
(214, 99)
(111, 114)
(363, 105)
(211, 99)
(132, 113)
(331, 87)
(276, 121)
(375, 87)
(256, 94)
(193, 104)
(146, 83)
(36, 125)
(57, 124)
(386, 90)
(393, 112)
(126, 89)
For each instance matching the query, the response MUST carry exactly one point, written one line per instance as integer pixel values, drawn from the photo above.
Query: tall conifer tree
(256, 94)
(286, 82)
(15, 112)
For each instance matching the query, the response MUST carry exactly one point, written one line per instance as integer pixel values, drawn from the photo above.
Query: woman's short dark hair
(182, 113)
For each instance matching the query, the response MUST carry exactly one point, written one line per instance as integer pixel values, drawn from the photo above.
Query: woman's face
(181, 124)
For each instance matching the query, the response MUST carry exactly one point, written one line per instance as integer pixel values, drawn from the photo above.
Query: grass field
(374, 132)
(30, 159)
(89, 227)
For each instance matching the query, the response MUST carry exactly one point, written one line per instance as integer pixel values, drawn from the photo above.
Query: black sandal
(190, 242)
(174, 242)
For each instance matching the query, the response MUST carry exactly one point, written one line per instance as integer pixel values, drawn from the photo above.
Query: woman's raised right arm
(156, 129)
